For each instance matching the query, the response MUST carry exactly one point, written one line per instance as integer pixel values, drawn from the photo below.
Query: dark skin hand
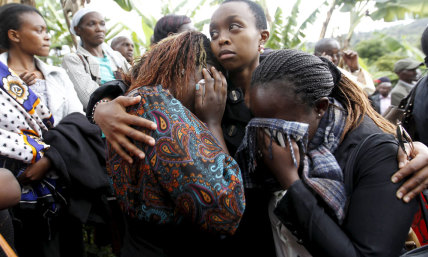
(350, 58)
(117, 128)
(209, 107)
(281, 165)
(417, 167)
(35, 171)
(29, 78)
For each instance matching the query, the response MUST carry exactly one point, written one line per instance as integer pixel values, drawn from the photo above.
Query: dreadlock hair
(315, 77)
(168, 24)
(10, 18)
(172, 63)
(257, 10)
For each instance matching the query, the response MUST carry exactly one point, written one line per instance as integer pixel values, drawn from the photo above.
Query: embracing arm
(377, 222)
(416, 170)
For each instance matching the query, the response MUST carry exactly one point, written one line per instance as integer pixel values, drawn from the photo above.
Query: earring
(319, 115)
(261, 48)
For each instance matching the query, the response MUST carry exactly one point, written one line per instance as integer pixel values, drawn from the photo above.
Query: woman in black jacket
(338, 202)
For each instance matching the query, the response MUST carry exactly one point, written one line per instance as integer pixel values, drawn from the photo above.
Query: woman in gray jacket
(95, 62)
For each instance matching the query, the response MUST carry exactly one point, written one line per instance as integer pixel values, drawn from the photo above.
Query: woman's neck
(242, 78)
(20, 62)
(96, 51)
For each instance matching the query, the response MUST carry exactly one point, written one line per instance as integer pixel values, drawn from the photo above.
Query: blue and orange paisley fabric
(185, 176)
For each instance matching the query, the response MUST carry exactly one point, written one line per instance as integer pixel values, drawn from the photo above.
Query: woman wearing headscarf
(94, 62)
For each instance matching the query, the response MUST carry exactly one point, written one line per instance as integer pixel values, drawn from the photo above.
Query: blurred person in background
(406, 70)
(347, 60)
(124, 46)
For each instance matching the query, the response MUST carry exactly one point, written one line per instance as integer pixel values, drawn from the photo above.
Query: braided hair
(168, 24)
(172, 62)
(312, 78)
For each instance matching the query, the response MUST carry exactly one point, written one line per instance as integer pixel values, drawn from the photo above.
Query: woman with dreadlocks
(187, 191)
(331, 152)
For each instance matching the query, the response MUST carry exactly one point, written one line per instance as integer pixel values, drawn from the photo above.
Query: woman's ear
(321, 106)
(77, 30)
(13, 36)
(264, 36)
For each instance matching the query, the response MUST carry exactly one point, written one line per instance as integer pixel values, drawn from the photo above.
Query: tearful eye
(234, 26)
(213, 34)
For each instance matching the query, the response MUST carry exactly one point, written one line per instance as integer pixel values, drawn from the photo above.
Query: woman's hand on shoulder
(210, 98)
(417, 168)
(116, 124)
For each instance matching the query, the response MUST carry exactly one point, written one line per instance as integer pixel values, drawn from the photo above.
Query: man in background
(347, 61)
(407, 74)
(124, 46)
(381, 99)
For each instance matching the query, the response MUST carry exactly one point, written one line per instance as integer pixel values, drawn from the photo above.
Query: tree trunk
(327, 19)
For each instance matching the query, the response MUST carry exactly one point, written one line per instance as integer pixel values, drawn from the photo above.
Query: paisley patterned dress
(186, 176)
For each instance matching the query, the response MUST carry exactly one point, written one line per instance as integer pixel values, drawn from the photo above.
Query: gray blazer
(400, 91)
(85, 72)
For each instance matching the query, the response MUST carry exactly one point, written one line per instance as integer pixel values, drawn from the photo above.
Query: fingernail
(406, 199)
(152, 141)
(400, 164)
(197, 86)
(394, 179)
(141, 155)
(399, 195)
(130, 161)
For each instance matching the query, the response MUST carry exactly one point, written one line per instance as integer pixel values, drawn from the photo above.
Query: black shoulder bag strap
(87, 69)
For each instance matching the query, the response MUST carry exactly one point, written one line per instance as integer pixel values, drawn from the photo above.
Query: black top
(420, 110)
(376, 222)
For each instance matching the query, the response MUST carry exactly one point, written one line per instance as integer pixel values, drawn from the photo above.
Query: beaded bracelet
(95, 106)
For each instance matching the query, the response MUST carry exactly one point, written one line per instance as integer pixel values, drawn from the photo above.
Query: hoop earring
(261, 49)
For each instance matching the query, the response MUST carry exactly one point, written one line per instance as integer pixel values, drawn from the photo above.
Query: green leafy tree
(289, 33)
(393, 10)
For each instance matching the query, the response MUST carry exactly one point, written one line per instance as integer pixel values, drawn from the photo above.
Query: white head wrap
(78, 16)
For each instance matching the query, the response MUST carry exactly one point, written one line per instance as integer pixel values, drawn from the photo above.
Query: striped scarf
(320, 171)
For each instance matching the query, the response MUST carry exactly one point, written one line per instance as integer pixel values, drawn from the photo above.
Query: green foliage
(126, 5)
(400, 9)
(382, 51)
(288, 34)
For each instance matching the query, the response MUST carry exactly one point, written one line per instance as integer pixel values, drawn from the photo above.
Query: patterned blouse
(186, 176)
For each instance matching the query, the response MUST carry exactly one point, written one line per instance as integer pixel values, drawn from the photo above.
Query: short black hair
(10, 18)
(321, 45)
(168, 24)
(117, 40)
(257, 10)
